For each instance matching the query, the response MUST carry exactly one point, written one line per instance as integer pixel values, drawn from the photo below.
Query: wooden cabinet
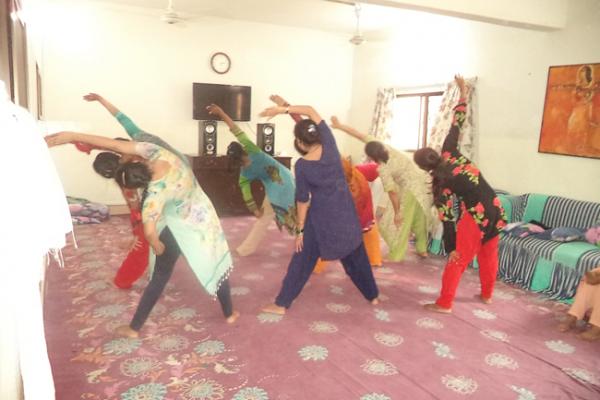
(220, 183)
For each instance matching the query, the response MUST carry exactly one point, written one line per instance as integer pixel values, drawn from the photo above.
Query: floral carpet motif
(332, 344)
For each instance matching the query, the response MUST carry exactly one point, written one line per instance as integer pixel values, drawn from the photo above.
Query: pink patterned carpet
(332, 344)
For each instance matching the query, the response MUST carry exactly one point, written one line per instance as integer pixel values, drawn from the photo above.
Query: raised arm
(130, 127)
(105, 103)
(240, 135)
(217, 111)
(335, 124)
(307, 111)
(118, 146)
(275, 98)
(460, 112)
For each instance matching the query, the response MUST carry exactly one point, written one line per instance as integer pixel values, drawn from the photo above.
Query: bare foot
(423, 255)
(274, 309)
(120, 287)
(567, 324)
(484, 300)
(591, 334)
(375, 301)
(125, 330)
(435, 308)
(233, 317)
(237, 253)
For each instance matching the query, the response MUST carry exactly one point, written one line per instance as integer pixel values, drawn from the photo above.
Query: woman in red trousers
(481, 217)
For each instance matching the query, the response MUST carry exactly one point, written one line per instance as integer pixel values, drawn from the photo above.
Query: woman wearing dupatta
(409, 192)
(178, 219)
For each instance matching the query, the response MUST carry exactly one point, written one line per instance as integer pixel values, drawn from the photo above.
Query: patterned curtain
(382, 117)
(444, 119)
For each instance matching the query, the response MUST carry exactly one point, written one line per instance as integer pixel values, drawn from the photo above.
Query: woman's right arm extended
(335, 124)
(302, 110)
(118, 146)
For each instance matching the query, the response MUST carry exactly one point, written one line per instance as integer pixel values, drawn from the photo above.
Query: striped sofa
(549, 267)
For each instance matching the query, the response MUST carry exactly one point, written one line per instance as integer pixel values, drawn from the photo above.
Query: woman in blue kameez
(327, 222)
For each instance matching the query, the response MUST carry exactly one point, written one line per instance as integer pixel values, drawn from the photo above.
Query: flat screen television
(234, 100)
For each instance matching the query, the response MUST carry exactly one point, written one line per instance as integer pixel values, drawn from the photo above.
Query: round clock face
(220, 63)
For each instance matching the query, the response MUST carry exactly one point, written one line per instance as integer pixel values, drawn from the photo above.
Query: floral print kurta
(177, 200)
(476, 196)
(401, 174)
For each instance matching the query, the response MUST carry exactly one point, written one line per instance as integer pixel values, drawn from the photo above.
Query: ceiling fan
(170, 16)
(358, 38)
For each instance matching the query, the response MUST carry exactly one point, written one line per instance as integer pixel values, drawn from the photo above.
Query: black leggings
(163, 269)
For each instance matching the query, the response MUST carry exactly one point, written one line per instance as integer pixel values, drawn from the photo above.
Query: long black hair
(429, 160)
(133, 175)
(377, 152)
(106, 164)
(235, 154)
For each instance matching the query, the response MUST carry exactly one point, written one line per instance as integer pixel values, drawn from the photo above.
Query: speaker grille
(207, 138)
(265, 137)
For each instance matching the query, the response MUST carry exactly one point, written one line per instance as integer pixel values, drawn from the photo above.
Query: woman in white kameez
(35, 220)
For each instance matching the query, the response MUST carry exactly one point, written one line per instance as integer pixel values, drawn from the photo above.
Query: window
(414, 114)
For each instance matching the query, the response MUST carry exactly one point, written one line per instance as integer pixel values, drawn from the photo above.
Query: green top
(276, 178)
(244, 182)
(139, 135)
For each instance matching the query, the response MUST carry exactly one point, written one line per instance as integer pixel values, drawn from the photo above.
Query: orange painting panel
(571, 121)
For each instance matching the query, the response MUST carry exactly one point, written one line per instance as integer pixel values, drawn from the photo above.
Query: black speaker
(265, 137)
(207, 138)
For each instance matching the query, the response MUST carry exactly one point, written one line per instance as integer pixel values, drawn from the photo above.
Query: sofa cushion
(534, 208)
(533, 245)
(560, 211)
(513, 206)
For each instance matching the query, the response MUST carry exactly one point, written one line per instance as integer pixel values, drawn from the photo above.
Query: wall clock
(220, 63)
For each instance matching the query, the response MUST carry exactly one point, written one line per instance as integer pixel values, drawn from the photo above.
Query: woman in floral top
(178, 219)
(279, 203)
(481, 218)
(408, 189)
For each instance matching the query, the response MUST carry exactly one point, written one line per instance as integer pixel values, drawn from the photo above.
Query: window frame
(423, 114)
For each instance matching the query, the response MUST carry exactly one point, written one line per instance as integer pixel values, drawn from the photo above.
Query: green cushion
(569, 253)
(542, 275)
(534, 209)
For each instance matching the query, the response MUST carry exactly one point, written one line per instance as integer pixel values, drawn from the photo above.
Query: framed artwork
(571, 120)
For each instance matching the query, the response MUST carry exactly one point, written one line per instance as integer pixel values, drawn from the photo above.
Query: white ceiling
(332, 16)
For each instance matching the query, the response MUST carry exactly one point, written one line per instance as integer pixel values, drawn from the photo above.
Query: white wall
(512, 66)
(539, 14)
(146, 68)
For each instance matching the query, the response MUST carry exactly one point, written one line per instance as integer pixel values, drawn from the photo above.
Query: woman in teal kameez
(255, 164)
(178, 218)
